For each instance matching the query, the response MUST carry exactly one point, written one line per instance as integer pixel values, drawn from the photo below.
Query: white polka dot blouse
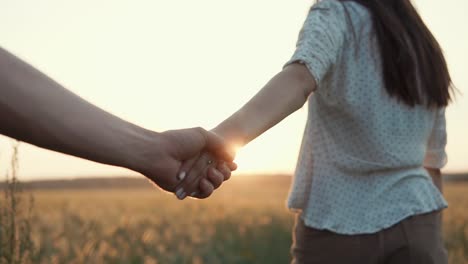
(362, 159)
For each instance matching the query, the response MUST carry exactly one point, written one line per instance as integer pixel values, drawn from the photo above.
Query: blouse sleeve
(321, 38)
(436, 157)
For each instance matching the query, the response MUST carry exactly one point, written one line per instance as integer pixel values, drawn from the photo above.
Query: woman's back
(371, 131)
(362, 148)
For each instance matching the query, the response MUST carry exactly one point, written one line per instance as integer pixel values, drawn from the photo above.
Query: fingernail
(179, 193)
(183, 195)
(194, 193)
(181, 176)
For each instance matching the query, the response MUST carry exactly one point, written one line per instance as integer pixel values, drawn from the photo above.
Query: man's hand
(203, 174)
(36, 109)
(163, 157)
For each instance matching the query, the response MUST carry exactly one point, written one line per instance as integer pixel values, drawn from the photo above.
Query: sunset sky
(175, 64)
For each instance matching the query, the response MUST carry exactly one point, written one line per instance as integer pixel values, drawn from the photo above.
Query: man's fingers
(232, 166)
(201, 175)
(215, 177)
(206, 188)
(224, 170)
(207, 185)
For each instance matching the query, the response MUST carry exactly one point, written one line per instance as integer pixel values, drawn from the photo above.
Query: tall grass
(241, 223)
(16, 243)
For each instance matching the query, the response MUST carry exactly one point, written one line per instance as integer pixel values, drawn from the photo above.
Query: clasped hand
(201, 175)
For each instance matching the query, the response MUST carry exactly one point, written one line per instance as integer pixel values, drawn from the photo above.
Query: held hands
(202, 174)
(171, 152)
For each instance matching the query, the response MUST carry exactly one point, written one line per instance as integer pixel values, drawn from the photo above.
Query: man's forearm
(282, 95)
(37, 110)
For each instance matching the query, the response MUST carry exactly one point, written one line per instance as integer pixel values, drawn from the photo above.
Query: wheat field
(245, 222)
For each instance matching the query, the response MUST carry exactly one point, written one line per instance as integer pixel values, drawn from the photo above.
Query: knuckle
(201, 130)
(205, 195)
(226, 171)
(216, 184)
(219, 183)
(208, 186)
(214, 177)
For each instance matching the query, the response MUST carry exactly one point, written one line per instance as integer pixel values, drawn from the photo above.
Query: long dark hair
(414, 68)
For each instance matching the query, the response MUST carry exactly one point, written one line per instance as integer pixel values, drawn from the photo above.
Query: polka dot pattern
(360, 167)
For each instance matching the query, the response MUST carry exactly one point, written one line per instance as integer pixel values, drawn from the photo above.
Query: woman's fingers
(200, 176)
(189, 186)
(183, 181)
(186, 167)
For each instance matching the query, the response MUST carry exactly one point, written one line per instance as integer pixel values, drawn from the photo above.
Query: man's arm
(38, 110)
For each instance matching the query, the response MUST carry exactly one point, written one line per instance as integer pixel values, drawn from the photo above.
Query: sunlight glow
(176, 64)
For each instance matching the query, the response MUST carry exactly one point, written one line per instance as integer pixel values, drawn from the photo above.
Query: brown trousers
(415, 240)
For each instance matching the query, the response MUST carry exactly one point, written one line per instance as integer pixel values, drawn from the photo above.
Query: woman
(376, 120)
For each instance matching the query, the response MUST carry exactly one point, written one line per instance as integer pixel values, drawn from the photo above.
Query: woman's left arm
(318, 48)
(281, 96)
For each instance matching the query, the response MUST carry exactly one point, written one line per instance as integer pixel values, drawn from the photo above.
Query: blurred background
(175, 64)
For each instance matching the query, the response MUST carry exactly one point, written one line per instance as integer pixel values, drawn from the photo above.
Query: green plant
(16, 244)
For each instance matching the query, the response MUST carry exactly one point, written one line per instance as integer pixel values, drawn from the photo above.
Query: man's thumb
(218, 146)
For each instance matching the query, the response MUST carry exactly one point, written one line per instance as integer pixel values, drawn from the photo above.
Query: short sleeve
(321, 38)
(436, 157)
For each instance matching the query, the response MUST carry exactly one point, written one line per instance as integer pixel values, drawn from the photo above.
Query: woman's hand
(161, 156)
(201, 175)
